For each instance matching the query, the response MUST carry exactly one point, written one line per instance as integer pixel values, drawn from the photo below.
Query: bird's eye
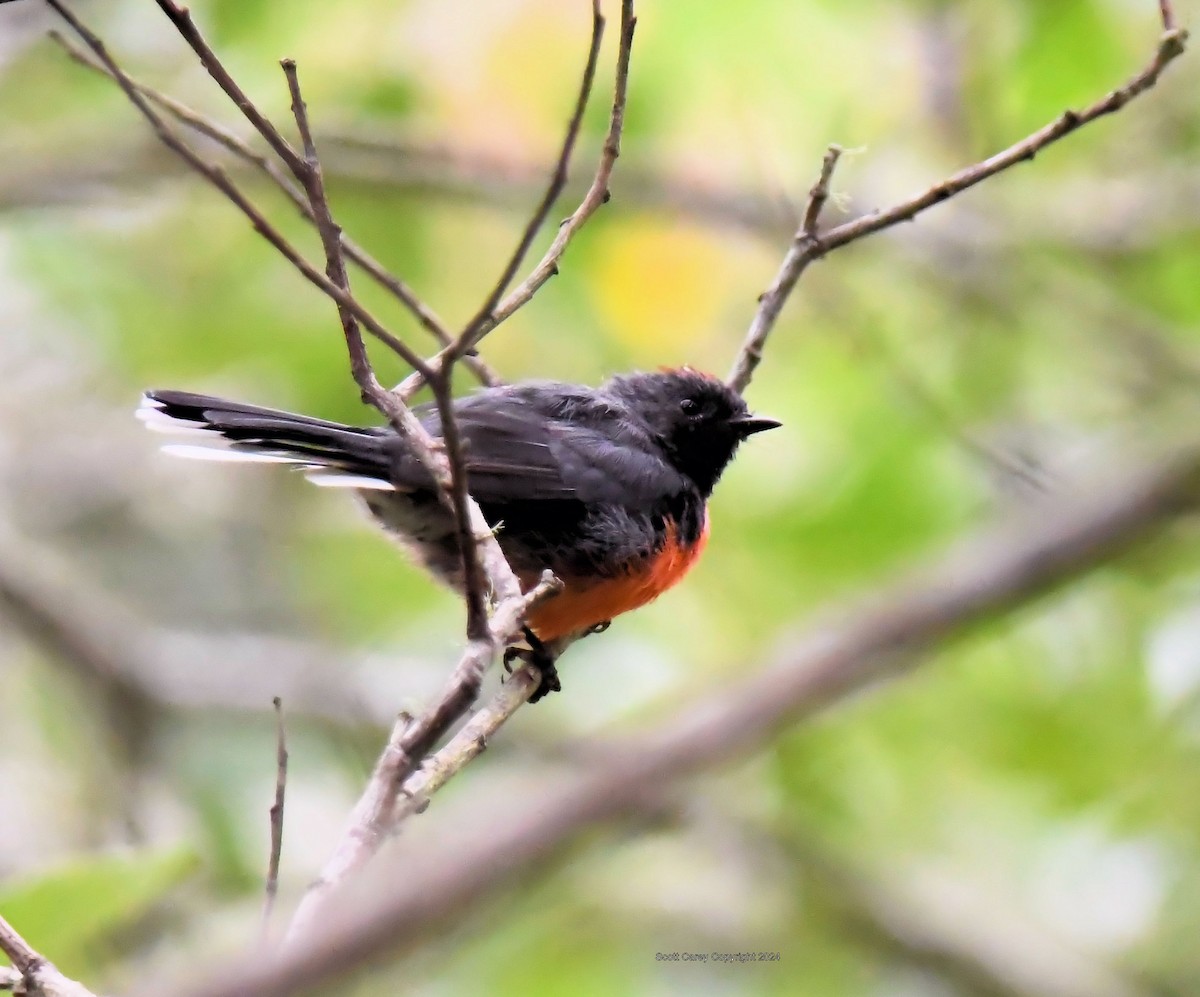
(689, 406)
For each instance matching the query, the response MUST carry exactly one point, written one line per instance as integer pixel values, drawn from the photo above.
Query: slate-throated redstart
(607, 487)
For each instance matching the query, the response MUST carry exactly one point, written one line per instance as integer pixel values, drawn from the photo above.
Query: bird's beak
(748, 425)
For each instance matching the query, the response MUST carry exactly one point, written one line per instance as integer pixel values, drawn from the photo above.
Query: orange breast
(582, 604)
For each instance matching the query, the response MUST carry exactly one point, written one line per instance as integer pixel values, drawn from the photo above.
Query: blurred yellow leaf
(657, 283)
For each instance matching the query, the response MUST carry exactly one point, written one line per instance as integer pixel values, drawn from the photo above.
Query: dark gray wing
(549, 441)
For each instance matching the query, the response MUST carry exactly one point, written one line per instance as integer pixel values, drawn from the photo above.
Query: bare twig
(558, 180)
(308, 172)
(440, 767)
(218, 178)
(1167, 13)
(181, 17)
(596, 195)
(34, 974)
(475, 536)
(453, 477)
(448, 475)
(882, 637)
(276, 816)
(363, 832)
(232, 143)
(475, 587)
(819, 193)
(808, 246)
(410, 742)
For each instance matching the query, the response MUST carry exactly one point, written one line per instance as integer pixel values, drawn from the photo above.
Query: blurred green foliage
(75, 910)
(1047, 765)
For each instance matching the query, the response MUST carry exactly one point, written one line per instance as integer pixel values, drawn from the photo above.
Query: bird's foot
(540, 657)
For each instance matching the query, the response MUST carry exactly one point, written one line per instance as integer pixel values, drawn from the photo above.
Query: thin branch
(1167, 13)
(596, 195)
(475, 586)
(558, 180)
(205, 126)
(819, 193)
(276, 817)
(453, 476)
(883, 636)
(477, 544)
(362, 834)
(470, 741)
(34, 974)
(218, 178)
(181, 17)
(453, 479)
(411, 741)
(462, 689)
(808, 246)
(308, 172)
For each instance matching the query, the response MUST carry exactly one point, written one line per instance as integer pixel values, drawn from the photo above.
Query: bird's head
(698, 420)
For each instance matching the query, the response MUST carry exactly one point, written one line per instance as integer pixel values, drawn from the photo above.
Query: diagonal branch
(883, 636)
(218, 178)
(411, 741)
(809, 245)
(181, 18)
(308, 172)
(596, 195)
(494, 566)
(558, 181)
(468, 539)
(32, 973)
(466, 745)
(451, 473)
(210, 129)
(451, 482)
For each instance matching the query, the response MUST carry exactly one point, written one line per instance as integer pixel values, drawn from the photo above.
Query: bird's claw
(540, 657)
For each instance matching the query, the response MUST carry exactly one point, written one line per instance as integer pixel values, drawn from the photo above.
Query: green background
(1030, 793)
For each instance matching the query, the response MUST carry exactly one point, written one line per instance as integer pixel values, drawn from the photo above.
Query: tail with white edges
(329, 453)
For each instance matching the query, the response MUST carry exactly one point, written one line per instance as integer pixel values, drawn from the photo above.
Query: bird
(607, 487)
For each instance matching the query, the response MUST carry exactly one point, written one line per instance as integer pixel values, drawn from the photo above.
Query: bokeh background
(1021, 816)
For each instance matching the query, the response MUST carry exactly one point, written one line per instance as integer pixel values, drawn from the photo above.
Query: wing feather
(524, 442)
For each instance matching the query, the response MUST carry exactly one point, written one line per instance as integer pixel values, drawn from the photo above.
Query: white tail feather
(218, 453)
(332, 479)
(216, 447)
(177, 427)
(151, 414)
